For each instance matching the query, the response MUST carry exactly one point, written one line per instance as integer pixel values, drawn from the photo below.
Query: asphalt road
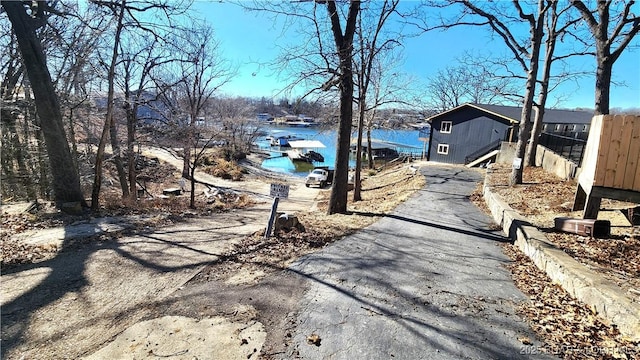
(425, 282)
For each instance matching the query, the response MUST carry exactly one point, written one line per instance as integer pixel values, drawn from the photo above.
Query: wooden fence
(611, 163)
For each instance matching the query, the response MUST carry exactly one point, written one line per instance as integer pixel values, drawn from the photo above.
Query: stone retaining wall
(603, 295)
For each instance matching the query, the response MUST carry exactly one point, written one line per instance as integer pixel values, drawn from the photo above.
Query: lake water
(329, 138)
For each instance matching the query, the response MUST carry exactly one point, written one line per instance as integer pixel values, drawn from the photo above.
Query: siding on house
(471, 131)
(475, 127)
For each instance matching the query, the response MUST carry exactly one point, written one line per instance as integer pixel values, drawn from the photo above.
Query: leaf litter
(569, 328)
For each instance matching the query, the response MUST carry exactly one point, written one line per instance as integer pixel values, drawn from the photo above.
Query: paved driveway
(425, 282)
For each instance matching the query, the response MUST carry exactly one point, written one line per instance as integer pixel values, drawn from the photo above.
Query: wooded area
(84, 86)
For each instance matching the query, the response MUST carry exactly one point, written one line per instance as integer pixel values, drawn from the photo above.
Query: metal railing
(481, 152)
(569, 148)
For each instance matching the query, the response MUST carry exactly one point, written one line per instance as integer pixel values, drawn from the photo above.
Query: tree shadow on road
(480, 232)
(370, 283)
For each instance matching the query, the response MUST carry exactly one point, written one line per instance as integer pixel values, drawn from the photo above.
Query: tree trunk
(74, 144)
(43, 164)
(525, 119)
(97, 179)
(369, 151)
(117, 159)
(338, 199)
(344, 47)
(625, 28)
(17, 151)
(532, 146)
(66, 182)
(190, 143)
(357, 196)
(192, 196)
(603, 86)
(603, 59)
(532, 149)
(131, 157)
(186, 156)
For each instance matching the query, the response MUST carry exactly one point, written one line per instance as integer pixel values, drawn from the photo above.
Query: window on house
(557, 128)
(544, 127)
(584, 128)
(445, 127)
(573, 127)
(443, 149)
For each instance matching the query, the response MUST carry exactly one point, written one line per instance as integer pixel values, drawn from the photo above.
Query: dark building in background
(470, 131)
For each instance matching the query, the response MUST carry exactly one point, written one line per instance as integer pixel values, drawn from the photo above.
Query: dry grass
(224, 169)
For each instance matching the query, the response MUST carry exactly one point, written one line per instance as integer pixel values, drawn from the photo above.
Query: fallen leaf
(314, 339)
(525, 340)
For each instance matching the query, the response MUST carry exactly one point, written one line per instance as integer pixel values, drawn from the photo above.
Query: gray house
(470, 131)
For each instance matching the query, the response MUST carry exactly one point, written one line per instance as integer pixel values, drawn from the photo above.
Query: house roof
(512, 114)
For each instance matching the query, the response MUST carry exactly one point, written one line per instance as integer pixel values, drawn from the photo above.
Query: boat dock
(385, 148)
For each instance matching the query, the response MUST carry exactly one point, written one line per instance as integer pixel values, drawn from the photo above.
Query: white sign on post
(279, 191)
(517, 163)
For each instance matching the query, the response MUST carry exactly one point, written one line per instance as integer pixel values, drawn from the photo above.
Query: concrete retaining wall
(555, 163)
(546, 158)
(604, 296)
(507, 153)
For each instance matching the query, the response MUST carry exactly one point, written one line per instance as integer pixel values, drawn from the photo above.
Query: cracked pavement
(426, 281)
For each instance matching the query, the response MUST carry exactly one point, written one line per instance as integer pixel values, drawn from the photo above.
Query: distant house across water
(264, 117)
(295, 121)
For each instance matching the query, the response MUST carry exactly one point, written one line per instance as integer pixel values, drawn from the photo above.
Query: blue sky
(250, 40)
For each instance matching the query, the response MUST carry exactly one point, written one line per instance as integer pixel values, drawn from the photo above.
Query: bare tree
(388, 86)
(127, 15)
(476, 81)
(119, 11)
(612, 32)
(479, 79)
(71, 44)
(555, 28)
(372, 45)
(16, 178)
(188, 85)
(201, 72)
(526, 53)
(535, 21)
(447, 88)
(11, 66)
(344, 47)
(199, 150)
(321, 62)
(139, 59)
(233, 115)
(25, 20)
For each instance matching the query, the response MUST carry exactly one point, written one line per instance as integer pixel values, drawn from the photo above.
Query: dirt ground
(245, 287)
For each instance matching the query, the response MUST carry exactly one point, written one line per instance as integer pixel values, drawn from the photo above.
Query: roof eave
(430, 119)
